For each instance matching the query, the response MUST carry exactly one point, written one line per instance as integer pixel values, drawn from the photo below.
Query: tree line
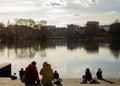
(29, 29)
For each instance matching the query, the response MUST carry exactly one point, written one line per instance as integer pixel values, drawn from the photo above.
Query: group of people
(87, 78)
(30, 75)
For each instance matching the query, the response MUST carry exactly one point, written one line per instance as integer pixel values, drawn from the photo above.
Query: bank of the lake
(65, 82)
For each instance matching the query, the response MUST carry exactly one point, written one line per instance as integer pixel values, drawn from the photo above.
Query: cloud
(61, 11)
(54, 3)
(85, 3)
(15, 2)
(111, 12)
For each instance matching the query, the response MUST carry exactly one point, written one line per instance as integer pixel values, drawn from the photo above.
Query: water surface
(69, 57)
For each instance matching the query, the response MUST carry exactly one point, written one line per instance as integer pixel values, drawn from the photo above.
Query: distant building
(54, 31)
(105, 27)
(50, 28)
(73, 28)
(90, 24)
(61, 31)
(92, 28)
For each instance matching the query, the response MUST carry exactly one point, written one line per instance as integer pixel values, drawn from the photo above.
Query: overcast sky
(61, 12)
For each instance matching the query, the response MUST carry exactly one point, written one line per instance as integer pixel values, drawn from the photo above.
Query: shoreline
(65, 82)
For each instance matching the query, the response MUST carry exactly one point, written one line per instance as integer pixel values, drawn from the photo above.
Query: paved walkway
(65, 82)
(9, 82)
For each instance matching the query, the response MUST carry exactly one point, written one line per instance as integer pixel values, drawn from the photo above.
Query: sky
(61, 12)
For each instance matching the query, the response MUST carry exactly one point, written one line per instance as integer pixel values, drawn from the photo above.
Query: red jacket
(31, 74)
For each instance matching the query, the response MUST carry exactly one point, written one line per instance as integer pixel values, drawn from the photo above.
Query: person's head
(14, 73)
(22, 69)
(99, 69)
(33, 62)
(44, 64)
(87, 69)
(55, 71)
(49, 65)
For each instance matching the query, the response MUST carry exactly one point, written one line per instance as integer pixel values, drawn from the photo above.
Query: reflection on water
(74, 54)
(28, 48)
(115, 48)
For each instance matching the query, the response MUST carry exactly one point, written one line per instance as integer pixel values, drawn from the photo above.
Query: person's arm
(41, 72)
(36, 76)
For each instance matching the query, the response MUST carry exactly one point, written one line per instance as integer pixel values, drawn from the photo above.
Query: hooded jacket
(47, 74)
(31, 75)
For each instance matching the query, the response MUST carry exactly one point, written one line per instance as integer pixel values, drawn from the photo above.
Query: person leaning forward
(47, 74)
(31, 75)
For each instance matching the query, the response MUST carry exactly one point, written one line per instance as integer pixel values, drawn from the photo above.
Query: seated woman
(88, 74)
(87, 77)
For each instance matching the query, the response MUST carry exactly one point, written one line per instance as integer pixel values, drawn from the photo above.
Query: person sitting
(87, 77)
(31, 75)
(88, 74)
(47, 74)
(14, 77)
(21, 74)
(56, 78)
(56, 75)
(99, 74)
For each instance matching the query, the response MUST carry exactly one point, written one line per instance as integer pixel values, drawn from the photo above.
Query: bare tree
(25, 22)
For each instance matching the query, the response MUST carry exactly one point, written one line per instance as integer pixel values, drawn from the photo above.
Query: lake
(69, 57)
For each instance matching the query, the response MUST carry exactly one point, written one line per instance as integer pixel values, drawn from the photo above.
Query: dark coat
(31, 75)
